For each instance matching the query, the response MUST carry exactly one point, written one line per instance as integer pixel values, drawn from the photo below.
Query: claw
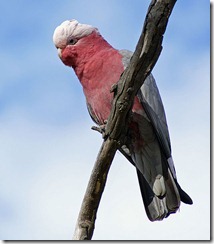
(114, 88)
(101, 129)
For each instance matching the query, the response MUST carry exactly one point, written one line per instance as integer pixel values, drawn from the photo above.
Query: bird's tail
(159, 207)
(161, 193)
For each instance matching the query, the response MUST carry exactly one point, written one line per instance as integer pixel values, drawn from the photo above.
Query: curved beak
(59, 51)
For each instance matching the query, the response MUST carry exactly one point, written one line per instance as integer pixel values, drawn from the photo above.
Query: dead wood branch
(143, 60)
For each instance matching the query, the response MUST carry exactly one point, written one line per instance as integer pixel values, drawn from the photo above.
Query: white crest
(68, 29)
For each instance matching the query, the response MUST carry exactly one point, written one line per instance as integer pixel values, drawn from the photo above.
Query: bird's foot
(114, 88)
(101, 129)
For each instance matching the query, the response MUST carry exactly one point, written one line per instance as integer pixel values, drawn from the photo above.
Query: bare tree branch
(143, 60)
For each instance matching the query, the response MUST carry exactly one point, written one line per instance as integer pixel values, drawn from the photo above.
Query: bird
(98, 67)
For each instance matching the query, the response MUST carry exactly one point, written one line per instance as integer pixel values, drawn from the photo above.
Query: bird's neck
(91, 54)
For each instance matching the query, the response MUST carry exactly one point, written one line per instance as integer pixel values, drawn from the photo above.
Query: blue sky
(47, 146)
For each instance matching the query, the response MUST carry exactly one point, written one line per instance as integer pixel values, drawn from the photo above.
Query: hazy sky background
(47, 147)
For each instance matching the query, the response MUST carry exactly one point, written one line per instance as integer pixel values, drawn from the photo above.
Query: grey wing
(150, 99)
(153, 106)
(126, 56)
(156, 207)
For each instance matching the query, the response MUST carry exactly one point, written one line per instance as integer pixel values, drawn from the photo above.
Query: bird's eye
(72, 41)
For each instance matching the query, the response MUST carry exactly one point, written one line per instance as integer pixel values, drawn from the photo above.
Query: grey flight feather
(150, 99)
(155, 168)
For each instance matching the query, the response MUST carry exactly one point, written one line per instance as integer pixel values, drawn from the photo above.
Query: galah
(98, 67)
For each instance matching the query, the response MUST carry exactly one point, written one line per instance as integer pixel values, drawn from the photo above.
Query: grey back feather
(150, 98)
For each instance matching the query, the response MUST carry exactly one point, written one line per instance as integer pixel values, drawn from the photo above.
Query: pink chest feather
(97, 78)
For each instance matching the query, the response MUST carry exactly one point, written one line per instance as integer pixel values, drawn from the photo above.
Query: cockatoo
(98, 66)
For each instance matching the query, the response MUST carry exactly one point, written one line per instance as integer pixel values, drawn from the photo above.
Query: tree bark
(142, 62)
